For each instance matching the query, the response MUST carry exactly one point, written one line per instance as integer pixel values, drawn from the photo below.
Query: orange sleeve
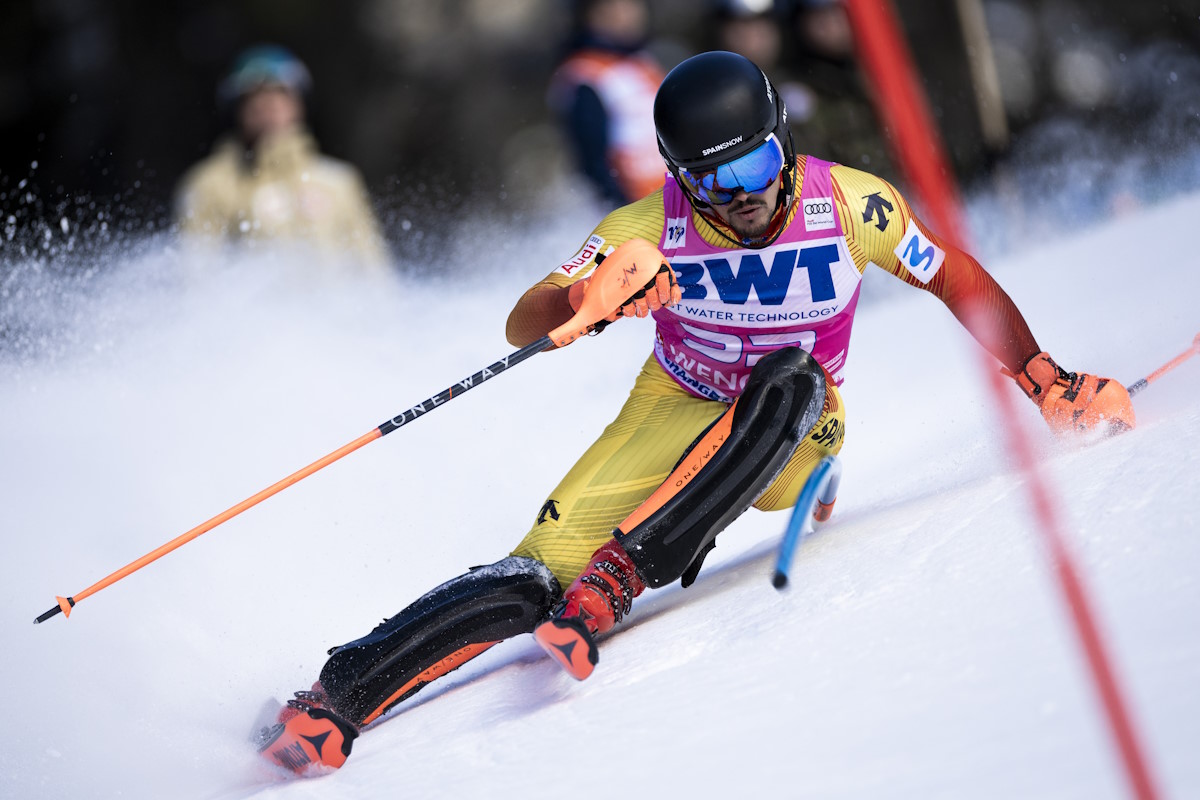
(882, 229)
(978, 302)
(540, 310)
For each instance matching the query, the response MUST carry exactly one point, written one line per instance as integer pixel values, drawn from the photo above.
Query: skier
(735, 407)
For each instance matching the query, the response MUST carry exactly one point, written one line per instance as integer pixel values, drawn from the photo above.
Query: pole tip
(65, 604)
(780, 580)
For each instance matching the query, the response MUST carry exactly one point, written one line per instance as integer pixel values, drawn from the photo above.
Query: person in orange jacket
(603, 94)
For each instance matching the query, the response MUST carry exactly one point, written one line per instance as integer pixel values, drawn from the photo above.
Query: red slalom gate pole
(1070, 582)
(904, 109)
(903, 106)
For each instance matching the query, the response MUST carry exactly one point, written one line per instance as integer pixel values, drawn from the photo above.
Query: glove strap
(1038, 374)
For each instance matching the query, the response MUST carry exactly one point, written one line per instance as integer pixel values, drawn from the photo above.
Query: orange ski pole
(1138, 385)
(626, 271)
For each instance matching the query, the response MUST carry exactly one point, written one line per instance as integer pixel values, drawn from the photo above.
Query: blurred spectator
(267, 180)
(840, 123)
(749, 28)
(755, 29)
(603, 93)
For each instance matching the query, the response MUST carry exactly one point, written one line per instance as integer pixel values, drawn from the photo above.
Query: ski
(569, 643)
(304, 736)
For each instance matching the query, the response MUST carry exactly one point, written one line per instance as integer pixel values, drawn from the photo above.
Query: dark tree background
(104, 103)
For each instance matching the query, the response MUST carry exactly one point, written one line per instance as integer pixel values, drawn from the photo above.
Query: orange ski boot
(307, 734)
(597, 600)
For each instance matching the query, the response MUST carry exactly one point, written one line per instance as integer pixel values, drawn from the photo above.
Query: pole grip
(621, 275)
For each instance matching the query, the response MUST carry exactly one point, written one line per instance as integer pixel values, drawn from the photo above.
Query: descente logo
(723, 146)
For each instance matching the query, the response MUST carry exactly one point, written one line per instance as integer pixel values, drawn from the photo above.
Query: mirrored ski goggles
(752, 173)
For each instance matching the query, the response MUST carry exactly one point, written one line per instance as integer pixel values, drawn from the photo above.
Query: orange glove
(661, 290)
(1074, 401)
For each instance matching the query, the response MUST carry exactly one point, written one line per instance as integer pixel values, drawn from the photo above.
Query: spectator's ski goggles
(752, 173)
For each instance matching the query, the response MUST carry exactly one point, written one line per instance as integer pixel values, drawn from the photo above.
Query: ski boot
(307, 733)
(596, 601)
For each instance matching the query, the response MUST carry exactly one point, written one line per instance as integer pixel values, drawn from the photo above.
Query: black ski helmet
(715, 107)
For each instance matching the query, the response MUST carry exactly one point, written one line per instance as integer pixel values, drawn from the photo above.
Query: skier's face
(749, 215)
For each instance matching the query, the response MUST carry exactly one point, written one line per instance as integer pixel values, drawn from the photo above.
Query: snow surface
(923, 649)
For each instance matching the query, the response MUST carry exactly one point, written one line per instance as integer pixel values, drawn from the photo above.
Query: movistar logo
(722, 146)
(919, 257)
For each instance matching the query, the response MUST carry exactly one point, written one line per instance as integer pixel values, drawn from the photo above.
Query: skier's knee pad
(729, 467)
(438, 633)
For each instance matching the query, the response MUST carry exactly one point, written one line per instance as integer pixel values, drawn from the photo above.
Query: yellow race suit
(661, 417)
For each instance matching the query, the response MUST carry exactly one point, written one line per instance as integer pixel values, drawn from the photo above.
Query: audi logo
(817, 208)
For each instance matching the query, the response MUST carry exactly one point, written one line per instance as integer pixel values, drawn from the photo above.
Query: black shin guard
(436, 634)
(781, 403)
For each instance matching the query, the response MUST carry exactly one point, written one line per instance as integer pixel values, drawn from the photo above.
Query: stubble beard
(748, 230)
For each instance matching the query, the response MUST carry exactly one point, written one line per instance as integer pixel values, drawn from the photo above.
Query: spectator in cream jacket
(268, 181)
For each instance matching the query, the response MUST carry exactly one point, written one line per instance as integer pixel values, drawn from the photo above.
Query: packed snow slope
(923, 649)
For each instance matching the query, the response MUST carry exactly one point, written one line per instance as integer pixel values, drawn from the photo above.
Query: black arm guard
(487, 604)
(781, 403)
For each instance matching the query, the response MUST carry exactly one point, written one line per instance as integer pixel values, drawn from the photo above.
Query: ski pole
(820, 489)
(617, 278)
(1138, 385)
